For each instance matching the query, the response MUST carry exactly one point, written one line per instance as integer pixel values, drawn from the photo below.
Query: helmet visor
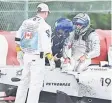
(79, 25)
(78, 22)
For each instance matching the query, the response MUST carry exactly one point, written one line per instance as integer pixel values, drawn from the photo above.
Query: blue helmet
(64, 24)
(81, 22)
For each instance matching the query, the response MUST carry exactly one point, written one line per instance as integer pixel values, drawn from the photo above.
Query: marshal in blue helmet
(63, 27)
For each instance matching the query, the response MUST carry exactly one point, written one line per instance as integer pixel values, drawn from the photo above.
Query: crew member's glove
(18, 48)
(49, 56)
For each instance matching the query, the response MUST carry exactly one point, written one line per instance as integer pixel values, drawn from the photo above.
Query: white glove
(67, 64)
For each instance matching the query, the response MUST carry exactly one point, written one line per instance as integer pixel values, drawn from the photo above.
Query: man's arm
(68, 45)
(45, 39)
(95, 46)
(19, 33)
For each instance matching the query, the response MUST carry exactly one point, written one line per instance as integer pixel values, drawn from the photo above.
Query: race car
(93, 85)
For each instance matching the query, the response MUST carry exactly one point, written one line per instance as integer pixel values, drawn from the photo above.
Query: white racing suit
(34, 66)
(89, 47)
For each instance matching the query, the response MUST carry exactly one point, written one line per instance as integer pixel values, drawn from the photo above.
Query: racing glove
(67, 60)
